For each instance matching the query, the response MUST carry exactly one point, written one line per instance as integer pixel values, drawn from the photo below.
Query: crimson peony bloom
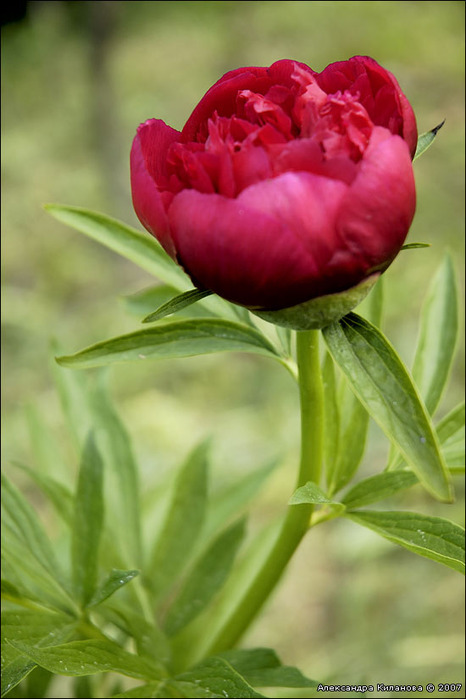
(285, 185)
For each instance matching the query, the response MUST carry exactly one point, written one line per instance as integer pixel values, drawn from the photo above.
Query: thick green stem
(296, 521)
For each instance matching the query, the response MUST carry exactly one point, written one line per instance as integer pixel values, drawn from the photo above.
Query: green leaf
(59, 495)
(285, 336)
(88, 520)
(310, 493)
(14, 671)
(452, 424)
(261, 667)
(382, 384)
(30, 580)
(229, 502)
(143, 302)
(114, 581)
(153, 690)
(27, 549)
(437, 337)
(73, 394)
(37, 683)
(195, 641)
(353, 417)
(150, 640)
(205, 579)
(352, 442)
(179, 303)
(432, 537)
(450, 431)
(179, 338)
(36, 627)
(10, 591)
(40, 628)
(217, 676)
(171, 689)
(183, 522)
(22, 520)
(426, 139)
(140, 248)
(413, 246)
(378, 487)
(90, 657)
(47, 456)
(454, 453)
(121, 477)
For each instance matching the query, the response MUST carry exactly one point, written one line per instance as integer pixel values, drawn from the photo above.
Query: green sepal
(321, 311)
(426, 139)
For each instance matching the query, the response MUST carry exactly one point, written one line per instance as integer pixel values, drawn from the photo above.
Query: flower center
(300, 128)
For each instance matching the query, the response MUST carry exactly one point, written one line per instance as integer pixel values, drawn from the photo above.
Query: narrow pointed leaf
(59, 495)
(179, 303)
(73, 394)
(88, 520)
(451, 424)
(413, 246)
(217, 676)
(183, 522)
(437, 337)
(114, 582)
(14, 671)
(353, 416)
(150, 640)
(90, 657)
(205, 579)
(426, 139)
(431, 537)
(381, 382)
(310, 493)
(229, 502)
(40, 628)
(450, 432)
(454, 454)
(32, 581)
(352, 443)
(143, 302)
(121, 477)
(36, 627)
(47, 455)
(22, 520)
(140, 248)
(261, 667)
(378, 487)
(27, 549)
(179, 338)
(196, 640)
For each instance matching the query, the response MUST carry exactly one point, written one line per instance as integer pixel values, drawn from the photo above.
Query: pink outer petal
(342, 74)
(379, 206)
(221, 97)
(265, 249)
(147, 165)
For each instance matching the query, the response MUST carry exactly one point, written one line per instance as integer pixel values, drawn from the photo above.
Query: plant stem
(296, 521)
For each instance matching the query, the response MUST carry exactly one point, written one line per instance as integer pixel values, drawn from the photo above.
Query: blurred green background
(77, 79)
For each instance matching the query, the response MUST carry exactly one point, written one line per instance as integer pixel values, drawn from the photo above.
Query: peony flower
(285, 185)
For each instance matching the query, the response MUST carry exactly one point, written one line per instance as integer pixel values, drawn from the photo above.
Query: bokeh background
(77, 79)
